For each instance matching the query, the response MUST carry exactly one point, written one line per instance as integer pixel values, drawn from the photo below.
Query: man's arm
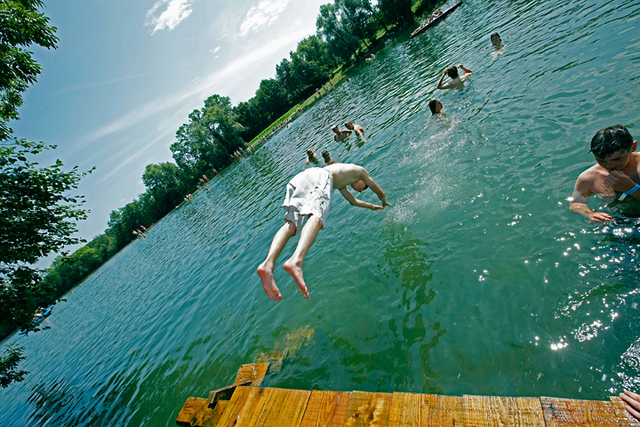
(580, 200)
(374, 187)
(466, 70)
(355, 202)
(440, 85)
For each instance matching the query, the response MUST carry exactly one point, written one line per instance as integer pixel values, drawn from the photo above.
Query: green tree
(251, 118)
(9, 366)
(313, 49)
(20, 26)
(207, 141)
(341, 43)
(164, 185)
(356, 17)
(36, 216)
(396, 12)
(272, 98)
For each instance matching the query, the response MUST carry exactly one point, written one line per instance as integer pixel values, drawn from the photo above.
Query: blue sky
(126, 75)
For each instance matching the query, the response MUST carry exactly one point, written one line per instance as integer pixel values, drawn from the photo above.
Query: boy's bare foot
(269, 283)
(295, 270)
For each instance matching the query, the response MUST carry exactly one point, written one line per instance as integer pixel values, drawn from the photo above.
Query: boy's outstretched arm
(355, 202)
(374, 187)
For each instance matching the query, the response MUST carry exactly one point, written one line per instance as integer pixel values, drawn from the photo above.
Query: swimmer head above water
(496, 40)
(435, 106)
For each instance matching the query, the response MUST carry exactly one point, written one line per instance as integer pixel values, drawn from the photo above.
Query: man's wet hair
(452, 71)
(432, 106)
(325, 155)
(495, 35)
(609, 140)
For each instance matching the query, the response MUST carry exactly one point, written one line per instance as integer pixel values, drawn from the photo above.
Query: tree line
(39, 216)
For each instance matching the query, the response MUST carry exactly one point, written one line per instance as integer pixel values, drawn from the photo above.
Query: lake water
(479, 280)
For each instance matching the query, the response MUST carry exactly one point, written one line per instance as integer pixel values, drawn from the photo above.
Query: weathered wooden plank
(254, 372)
(262, 412)
(190, 410)
(406, 410)
(275, 407)
(294, 408)
(209, 417)
(485, 411)
(568, 412)
(625, 419)
(368, 409)
(326, 409)
(239, 406)
(440, 410)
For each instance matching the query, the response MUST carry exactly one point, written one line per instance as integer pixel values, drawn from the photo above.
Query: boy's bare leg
(265, 270)
(294, 264)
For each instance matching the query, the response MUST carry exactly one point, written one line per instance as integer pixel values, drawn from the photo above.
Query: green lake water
(479, 280)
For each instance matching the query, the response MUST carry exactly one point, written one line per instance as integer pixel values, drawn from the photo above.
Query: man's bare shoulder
(345, 174)
(592, 180)
(341, 168)
(594, 172)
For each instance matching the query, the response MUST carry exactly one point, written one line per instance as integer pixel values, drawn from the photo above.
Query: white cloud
(187, 98)
(174, 13)
(263, 14)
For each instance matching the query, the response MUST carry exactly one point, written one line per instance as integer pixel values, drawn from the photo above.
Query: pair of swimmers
(435, 105)
(341, 135)
(311, 158)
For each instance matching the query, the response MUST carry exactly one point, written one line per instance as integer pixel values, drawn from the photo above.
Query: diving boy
(614, 177)
(309, 197)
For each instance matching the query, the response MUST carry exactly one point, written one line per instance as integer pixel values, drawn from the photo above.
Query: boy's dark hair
(325, 154)
(452, 71)
(611, 139)
(495, 35)
(432, 106)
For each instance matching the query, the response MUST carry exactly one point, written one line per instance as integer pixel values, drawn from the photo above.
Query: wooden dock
(245, 403)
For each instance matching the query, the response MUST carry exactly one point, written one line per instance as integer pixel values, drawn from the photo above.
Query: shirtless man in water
(309, 197)
(340, 135)
(614, 177)
(359, 130)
